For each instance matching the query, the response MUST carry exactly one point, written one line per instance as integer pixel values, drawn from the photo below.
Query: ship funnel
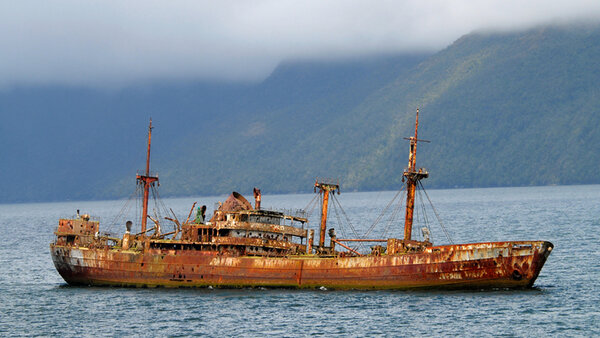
(235, 202)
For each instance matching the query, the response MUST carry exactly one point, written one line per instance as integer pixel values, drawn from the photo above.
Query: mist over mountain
(118, 44)
(501, 109)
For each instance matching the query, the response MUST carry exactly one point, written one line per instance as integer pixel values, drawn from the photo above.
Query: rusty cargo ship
(246, 246)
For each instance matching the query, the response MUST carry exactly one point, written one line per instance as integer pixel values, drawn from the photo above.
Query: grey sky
(114, 43)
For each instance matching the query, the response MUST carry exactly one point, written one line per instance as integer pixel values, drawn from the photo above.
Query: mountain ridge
(501, 109)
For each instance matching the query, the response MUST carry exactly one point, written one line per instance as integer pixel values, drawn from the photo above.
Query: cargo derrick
(246, 246)
(324, 187)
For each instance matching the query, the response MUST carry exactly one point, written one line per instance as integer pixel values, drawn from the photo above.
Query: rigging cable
(335, 199)
(123, 210)
(311, 202)
(382, 214)
(139, 207)
(359, 246)
(161, 204)
(392, 218)
(425, 219)
(312, 205)
(437, 215)
(339, 221)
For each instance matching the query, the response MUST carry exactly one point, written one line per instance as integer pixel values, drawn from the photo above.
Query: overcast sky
(116, 43)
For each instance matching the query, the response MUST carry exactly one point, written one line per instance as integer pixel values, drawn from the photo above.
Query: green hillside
(507, 109)
(501, 109)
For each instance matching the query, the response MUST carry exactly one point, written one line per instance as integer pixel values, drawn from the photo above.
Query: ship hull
(477, 265)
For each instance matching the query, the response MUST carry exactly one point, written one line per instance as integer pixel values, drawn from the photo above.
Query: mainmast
(147, 180)
(413, 176)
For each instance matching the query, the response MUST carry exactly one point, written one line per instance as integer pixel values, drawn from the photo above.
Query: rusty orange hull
(478, 265)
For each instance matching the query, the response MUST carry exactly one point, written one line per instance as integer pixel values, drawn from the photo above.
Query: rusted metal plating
(478, 265)
(243, 246)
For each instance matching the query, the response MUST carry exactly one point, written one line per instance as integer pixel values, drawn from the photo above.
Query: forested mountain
(501, 109)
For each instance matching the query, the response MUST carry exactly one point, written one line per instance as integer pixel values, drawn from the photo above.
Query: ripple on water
(34, 300)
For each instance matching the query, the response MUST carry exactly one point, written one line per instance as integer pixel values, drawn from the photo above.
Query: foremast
(412, 176)
(147, 180)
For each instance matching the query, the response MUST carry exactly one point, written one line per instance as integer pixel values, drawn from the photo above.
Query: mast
(413, 176)
(324, 189)
(147, 180)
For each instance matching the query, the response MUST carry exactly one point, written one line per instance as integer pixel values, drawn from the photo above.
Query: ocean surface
(35, 301)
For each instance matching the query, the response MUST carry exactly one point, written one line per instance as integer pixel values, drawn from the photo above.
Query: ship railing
(328, 181)
(143, 173)
(93, 218)
(361, 240)
(300, 213)
(418, 170)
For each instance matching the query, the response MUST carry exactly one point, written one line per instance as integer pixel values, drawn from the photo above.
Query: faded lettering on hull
(501, 264)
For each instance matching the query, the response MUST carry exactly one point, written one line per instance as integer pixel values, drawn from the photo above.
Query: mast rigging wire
(424, 212)
(382, 214)
(437, 215)
(392, 218)
(335, 199)
(339, 221)
(350, 225)
(310, 203)
(123, 210)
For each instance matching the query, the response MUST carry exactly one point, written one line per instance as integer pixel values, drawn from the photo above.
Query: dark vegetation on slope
(507, 109)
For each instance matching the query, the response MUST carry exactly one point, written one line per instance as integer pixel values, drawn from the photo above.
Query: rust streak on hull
(480, 265)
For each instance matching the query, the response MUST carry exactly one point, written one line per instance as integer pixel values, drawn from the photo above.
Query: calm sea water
(34, 300)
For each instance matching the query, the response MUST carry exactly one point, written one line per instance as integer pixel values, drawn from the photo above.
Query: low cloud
(98, 43)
